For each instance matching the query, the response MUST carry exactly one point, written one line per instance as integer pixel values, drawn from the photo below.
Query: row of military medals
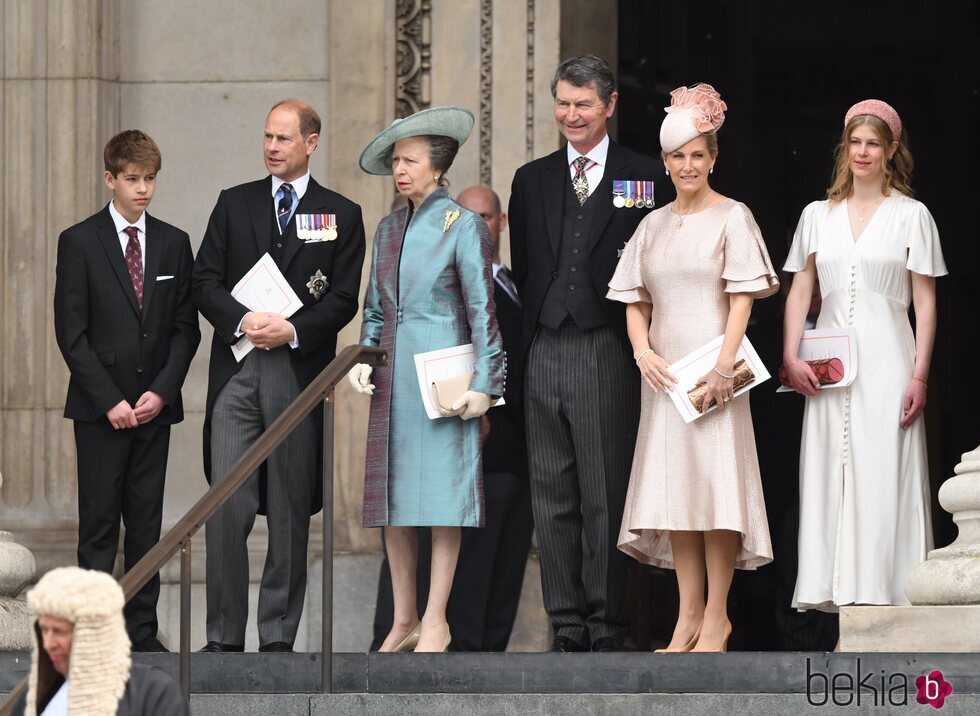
(632, 193)
(316, 227)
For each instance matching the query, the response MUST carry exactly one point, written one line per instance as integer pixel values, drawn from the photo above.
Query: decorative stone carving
(951, 575)
(17, 570)
(413, 56)
(486, 91)
(529, 134)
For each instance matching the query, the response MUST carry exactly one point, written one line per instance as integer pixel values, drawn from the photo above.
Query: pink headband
(876, 108)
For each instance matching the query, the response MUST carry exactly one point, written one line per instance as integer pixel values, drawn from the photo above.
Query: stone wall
(199, 78)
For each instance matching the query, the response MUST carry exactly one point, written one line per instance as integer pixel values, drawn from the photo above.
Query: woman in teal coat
(430, 287)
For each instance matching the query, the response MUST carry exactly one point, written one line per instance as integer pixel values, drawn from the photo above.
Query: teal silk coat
(429, 288)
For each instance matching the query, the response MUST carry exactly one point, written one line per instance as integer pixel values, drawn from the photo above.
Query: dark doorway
(788, 72)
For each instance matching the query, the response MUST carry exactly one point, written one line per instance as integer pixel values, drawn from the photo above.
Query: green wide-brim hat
(453, 122)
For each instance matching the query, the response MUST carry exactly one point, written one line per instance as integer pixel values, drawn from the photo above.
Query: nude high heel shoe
(724, 642)
(411, 640)
(687, 647)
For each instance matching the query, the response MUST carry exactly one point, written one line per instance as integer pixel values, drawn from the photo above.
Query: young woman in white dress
(864, 485)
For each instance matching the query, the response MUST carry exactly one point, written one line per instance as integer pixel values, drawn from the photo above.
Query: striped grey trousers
(247, 404)
(583, 401)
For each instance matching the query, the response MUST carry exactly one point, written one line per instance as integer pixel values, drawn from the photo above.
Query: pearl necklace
(680, 220)
(861, 212)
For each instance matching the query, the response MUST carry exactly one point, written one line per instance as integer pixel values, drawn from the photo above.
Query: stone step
(786, 673)
(557, 705)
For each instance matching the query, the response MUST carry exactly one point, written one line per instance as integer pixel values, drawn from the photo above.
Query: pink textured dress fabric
(703, 475)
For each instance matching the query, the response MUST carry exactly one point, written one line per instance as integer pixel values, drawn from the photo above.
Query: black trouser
(120, 476)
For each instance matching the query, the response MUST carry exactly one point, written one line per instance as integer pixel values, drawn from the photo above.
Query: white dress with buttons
(864, 482)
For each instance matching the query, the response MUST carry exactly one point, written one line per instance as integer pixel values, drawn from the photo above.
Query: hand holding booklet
(263, 289)
(444, 375)
(831, 354)
(749, 369)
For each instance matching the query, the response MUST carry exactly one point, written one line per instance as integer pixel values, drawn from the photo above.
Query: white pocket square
(164, 278)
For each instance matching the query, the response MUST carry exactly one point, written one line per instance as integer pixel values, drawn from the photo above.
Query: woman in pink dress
(689, 274)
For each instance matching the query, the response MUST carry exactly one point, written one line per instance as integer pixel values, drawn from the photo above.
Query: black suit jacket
(114, 350)
(239, 232)
(504, 449)
(535, 219)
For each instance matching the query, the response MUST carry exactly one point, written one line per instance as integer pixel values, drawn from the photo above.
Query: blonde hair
(897, 170)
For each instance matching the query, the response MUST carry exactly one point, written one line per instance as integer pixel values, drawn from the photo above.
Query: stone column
(944, 590)
(58, 103)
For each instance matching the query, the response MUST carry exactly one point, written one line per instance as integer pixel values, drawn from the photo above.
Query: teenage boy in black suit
(127, 329)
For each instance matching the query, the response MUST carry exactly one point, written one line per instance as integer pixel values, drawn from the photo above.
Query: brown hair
(131, 147)
(309, 120)
(897, 170)
(442, 153)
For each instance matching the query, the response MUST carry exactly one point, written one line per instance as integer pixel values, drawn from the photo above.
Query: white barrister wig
(98, 668)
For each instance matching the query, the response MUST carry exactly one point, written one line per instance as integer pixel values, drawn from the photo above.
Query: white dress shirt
(122, 224)
(597, 162)
(58, 705)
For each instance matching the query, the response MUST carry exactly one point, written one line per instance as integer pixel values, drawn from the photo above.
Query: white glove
(360, 378)
(473, 404)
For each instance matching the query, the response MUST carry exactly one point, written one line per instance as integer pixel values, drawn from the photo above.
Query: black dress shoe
(217, 646)
(150, 644)
(566, 644)
(276, 646)
(607, 643)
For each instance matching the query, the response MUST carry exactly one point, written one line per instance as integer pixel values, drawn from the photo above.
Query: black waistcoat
(572, 293)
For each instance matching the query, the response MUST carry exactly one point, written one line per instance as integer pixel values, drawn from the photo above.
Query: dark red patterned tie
(134, 262)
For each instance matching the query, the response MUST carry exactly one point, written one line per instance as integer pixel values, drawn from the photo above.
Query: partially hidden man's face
(286, 152)
(56, 636)
(480, 199)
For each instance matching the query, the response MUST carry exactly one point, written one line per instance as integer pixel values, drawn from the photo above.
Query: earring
(667, 172)
(711, 171)
(436, 178)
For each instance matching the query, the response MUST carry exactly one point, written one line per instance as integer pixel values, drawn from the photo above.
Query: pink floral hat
(693, 111)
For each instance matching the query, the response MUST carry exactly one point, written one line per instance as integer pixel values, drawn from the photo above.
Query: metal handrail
(179, 536)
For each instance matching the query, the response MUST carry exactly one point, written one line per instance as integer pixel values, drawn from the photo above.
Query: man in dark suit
(244, 398)
(582, 385)
(128, 330)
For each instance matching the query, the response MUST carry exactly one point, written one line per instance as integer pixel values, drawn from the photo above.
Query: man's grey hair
(584, 71)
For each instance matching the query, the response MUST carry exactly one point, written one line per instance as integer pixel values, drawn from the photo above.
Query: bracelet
(642, 353)
(921, 380)
(727, 377)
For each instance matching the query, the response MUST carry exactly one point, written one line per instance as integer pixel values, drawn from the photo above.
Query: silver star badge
(318, 284)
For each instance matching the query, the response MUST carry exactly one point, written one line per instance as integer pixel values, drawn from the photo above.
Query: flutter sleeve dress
(703, 475)
(864, 482)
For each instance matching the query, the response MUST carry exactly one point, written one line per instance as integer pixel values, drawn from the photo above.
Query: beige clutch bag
(449, 390)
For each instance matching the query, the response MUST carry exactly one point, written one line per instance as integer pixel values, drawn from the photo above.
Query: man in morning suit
(127, 328)
(582, 386)
(245, 397)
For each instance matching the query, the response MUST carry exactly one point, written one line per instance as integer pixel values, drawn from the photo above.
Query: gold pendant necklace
(861, 212)
(680, 220)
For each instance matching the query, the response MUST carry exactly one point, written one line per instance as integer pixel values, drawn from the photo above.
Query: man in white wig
(80, 664)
